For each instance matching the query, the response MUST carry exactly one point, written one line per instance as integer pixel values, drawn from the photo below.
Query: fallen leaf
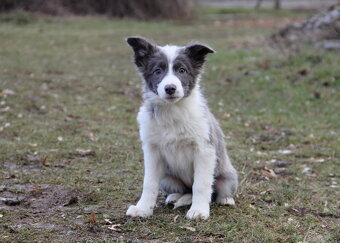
(108, 221)
(92, 137)
(252, 206)
(45, 161)
(114, 227)
(268, 173)
(8, 92)
(175, 218)
(188, 228)
(307, 170)
(85, 152)
(285, 151)
(317, 160)
(280, 170)
(260, 153)
(93, 218)
(7, 108)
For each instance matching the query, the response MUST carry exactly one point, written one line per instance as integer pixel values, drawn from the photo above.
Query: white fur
(171, 52)
(170, 78)
(183, 200)
(226, 201)
(179, 134)
(172, 198)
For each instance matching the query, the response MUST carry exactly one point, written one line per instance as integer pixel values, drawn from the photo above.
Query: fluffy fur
(183, 144)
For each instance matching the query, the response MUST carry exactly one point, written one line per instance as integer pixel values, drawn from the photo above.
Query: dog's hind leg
(173, 198)
(170, 184)
(226, 186)
(175, 189)
(184, 200)
(179, 200)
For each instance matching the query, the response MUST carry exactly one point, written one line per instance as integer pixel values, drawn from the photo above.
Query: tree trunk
(277, 4)
(258, 4)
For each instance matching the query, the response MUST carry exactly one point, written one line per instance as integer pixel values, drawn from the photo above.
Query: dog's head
(170, 72)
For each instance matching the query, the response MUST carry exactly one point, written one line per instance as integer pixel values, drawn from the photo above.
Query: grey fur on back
(224, 168)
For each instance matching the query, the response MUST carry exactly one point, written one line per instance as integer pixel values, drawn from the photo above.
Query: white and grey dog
(183, 144)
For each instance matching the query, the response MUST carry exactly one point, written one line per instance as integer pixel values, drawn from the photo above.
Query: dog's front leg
(153, 172)
(204, 165)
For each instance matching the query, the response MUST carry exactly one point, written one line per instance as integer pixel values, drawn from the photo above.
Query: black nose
(170, 89)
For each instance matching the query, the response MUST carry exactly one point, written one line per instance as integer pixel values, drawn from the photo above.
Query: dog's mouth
(172, 98)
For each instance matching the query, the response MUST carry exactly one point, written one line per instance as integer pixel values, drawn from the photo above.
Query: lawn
(70, 155)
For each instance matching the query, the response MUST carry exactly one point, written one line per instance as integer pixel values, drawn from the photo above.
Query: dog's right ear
(143, 49)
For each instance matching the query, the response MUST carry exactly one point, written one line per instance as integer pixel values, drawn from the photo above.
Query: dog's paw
(172, 198)
(197, 214)
(135, 211)
(184, 200)
(226, 201)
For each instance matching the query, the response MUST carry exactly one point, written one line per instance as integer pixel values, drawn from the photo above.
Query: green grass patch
(70, 152)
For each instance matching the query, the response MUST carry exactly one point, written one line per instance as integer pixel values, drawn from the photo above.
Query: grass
(74, 87)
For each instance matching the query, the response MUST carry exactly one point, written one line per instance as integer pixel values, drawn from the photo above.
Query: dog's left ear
(197, 53)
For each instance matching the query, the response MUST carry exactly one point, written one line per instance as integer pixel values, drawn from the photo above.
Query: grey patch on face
(155, 70)
(188, 65)
(185, 72)
(150, 61)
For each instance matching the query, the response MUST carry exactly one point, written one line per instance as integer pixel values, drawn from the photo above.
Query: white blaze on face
(170, 78)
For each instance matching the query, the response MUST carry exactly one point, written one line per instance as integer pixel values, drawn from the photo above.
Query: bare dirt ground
(286, 4)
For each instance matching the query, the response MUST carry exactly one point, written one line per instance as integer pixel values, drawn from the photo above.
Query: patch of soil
(301, 212)
(270, 136)
(265, 134)
(27, 166)
(37, 198)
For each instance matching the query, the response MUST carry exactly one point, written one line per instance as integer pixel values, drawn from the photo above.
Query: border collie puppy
(183, 144)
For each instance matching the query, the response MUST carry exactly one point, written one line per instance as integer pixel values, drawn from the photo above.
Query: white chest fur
(178, 131)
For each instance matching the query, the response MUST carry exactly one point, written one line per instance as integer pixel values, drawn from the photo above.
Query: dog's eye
(158, 71)
(182, 70)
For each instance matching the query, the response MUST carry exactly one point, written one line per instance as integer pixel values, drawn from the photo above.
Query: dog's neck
(189, 107)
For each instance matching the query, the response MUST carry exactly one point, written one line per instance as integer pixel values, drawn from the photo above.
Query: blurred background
(70, 157)
(146, 9)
